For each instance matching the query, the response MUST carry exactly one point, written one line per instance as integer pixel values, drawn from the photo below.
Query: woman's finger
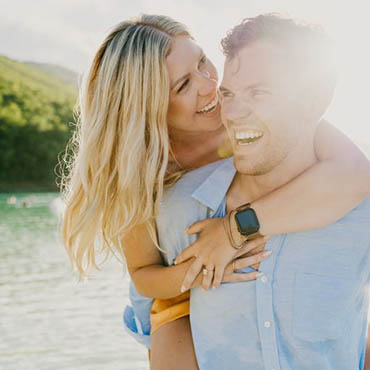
(207, 277)
(242, 277)
(196, 227)
(219, 273)
(249, 261)
(187, 253)
(251, 244)
(191, 274)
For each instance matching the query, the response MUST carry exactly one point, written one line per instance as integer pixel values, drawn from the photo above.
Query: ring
(205, 271)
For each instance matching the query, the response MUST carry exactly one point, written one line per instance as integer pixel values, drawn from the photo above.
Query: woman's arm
(338, 182)
(328, 190)
(152, 279)
(145, 265)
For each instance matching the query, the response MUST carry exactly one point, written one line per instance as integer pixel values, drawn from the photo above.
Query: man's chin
(248, 168)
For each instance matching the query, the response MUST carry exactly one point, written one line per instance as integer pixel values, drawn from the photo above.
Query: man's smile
(247, 136)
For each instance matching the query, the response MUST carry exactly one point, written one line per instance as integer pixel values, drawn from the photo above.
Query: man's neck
(247, 188)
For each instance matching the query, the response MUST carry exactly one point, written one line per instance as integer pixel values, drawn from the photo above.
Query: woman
(149, 112)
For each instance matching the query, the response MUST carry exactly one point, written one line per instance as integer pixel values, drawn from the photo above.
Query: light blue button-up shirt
(309, 308)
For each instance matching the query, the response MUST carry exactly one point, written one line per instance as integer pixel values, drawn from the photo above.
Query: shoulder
(359, 217)
(360, 212)
(180, 206)
(185, 187)
(353, 228)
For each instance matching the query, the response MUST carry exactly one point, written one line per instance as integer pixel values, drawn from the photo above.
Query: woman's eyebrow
(201, 53)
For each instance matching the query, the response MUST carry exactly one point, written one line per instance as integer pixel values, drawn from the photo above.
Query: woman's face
(193, 106)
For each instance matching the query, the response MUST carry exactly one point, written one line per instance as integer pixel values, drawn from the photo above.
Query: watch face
(247, 222)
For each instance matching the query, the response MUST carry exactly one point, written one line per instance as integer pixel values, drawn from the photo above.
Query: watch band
(243, 207)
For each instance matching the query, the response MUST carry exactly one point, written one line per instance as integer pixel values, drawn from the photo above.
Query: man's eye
(225, 94)
(183, 85)
(257, 92)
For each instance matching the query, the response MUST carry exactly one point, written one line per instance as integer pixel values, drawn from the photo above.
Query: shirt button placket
(266, 318)
(265, 313)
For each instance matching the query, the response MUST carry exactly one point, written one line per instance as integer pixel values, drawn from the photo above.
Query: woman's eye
(183, 85)
(203, 60)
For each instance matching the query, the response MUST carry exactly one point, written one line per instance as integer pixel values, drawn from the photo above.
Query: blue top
(309, 308)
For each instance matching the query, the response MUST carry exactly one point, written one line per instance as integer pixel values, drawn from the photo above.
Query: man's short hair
(306, 44)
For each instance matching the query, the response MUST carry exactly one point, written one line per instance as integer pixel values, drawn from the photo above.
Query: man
(308, 309)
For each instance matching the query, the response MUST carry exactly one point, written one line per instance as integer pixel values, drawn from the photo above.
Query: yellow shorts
(167, 310)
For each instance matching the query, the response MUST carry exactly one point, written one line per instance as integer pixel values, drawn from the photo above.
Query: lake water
(49, 320)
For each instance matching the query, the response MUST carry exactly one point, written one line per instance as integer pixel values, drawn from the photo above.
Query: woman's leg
(172, 347)
(367, 358)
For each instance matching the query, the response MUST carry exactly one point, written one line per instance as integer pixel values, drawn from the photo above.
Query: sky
(68, 33)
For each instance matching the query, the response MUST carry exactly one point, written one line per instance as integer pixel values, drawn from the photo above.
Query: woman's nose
(207, 84)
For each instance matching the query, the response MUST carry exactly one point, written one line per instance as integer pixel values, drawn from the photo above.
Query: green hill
(36, 110)
(61, 73)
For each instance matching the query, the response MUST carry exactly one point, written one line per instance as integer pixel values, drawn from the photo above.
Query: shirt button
(264, 278)
(267, 324)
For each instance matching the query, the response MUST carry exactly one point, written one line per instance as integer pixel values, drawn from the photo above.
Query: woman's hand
(213, 250)
(239, 263)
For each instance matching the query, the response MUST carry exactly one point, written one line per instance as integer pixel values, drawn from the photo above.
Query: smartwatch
(247, 221)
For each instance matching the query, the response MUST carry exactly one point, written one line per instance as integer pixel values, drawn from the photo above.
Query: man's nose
(208, 85)
(235, 110)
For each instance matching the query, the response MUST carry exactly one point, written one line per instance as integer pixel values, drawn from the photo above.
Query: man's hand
(213, 250)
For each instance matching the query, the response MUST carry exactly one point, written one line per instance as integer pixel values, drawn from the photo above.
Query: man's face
(262, 107)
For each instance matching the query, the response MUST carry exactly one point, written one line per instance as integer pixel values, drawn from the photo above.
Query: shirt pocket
(322, 306)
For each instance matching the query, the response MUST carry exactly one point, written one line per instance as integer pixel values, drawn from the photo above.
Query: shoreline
(11, 188)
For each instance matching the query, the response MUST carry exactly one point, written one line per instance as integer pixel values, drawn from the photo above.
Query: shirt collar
(213, 189)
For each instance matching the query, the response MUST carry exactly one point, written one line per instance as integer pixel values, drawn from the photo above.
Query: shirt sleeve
(136, 317)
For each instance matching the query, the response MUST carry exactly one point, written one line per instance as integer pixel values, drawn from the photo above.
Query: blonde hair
(120, 148)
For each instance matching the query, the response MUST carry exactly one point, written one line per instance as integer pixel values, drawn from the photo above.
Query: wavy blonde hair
(120, 148)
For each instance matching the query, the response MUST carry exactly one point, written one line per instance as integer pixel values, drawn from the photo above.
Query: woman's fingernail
(213, 288)
(183, 289)
(266, 254)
